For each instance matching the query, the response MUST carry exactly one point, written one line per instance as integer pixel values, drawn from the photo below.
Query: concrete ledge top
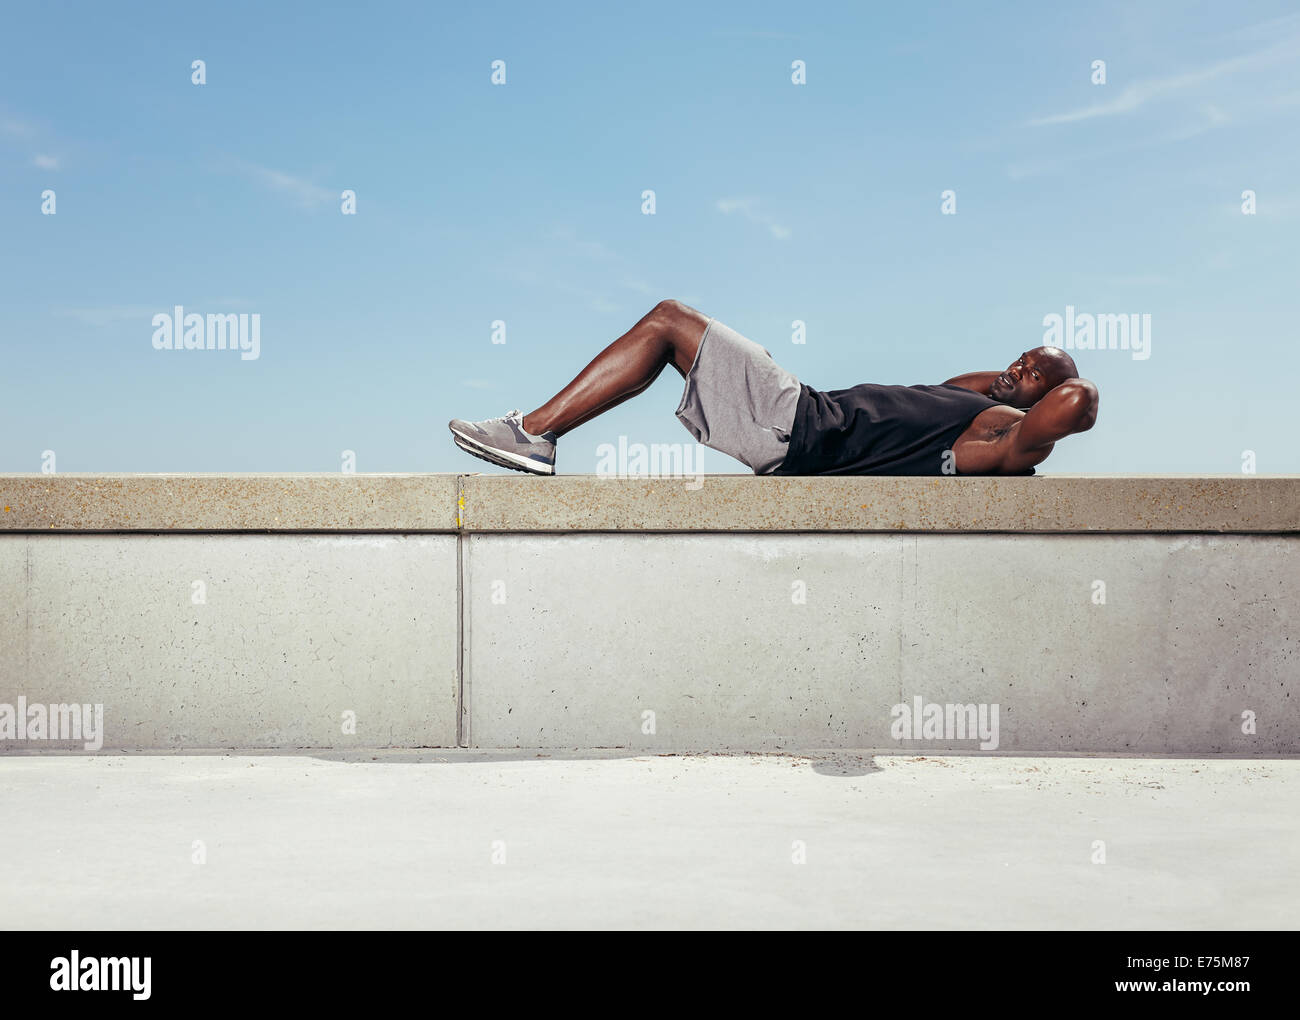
(227, 502)
(452, 503)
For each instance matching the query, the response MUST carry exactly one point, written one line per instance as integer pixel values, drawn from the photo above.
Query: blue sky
(521, 202)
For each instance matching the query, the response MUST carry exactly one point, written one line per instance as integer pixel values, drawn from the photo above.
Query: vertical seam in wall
(462, 688)
(27, 612)
(904, 616)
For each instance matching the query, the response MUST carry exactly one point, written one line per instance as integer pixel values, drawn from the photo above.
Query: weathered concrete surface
(422, 503)
(291, 632)
(227, 502)
(754, 641)
(452, 840)
(1054, 503)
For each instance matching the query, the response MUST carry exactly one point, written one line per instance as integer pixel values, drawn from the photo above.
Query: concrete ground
(521, 839)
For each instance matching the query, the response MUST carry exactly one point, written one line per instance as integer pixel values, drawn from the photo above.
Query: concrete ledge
(708, 503)
(720, 503)
(228, 502)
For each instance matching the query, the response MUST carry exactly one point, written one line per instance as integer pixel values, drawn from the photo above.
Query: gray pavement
(473, 839)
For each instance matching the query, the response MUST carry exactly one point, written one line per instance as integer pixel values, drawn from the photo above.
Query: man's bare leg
(670, 333)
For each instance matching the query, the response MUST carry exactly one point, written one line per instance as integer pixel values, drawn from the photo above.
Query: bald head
(1060, 365)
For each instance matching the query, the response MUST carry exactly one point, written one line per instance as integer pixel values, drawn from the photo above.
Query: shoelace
(504, 417)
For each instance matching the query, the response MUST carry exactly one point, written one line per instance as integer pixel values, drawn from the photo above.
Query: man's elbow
(1080, 399)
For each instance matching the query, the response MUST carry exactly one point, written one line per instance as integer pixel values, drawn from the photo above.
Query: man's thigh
(686, 326)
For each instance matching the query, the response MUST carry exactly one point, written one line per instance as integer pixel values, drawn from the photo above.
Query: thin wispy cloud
(15, 128)
(576, 245)
(748, 208)
(1208, 118)
(100, 317)
(1137, 280)
(584, 247)
(556, 284)
(1140, 93)
(1288, 24)
(598, 275)
(642, 288)
(108, 316)
(783, 36)
(302, 192)
(594, 300)
(30, 139)
(1212, 117)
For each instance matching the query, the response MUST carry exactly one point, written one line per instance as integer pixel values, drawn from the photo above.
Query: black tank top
(873, 429)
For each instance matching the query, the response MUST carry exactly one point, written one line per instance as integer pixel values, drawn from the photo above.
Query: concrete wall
(811, 640)
(293, 631)
(1097, 614)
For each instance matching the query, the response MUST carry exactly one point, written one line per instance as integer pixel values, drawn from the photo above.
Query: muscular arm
(1069, 408)
(977, 382)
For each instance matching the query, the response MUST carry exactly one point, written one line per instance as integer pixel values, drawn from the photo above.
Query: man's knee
(677, 314)
(682, 327)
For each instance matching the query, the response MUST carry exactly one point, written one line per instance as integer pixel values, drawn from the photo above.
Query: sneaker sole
(481, 455)
(499, 457)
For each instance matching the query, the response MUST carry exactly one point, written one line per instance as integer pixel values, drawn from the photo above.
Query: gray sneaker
(503, 441)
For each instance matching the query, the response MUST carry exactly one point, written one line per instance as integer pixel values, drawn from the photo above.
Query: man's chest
(991, 424)
(979, 449)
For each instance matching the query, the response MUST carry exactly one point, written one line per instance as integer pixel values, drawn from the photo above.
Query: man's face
(1025, 382)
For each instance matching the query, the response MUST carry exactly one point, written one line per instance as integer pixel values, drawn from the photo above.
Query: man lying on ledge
(741, 402)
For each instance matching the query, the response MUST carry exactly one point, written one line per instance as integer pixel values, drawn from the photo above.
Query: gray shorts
(738, 400)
